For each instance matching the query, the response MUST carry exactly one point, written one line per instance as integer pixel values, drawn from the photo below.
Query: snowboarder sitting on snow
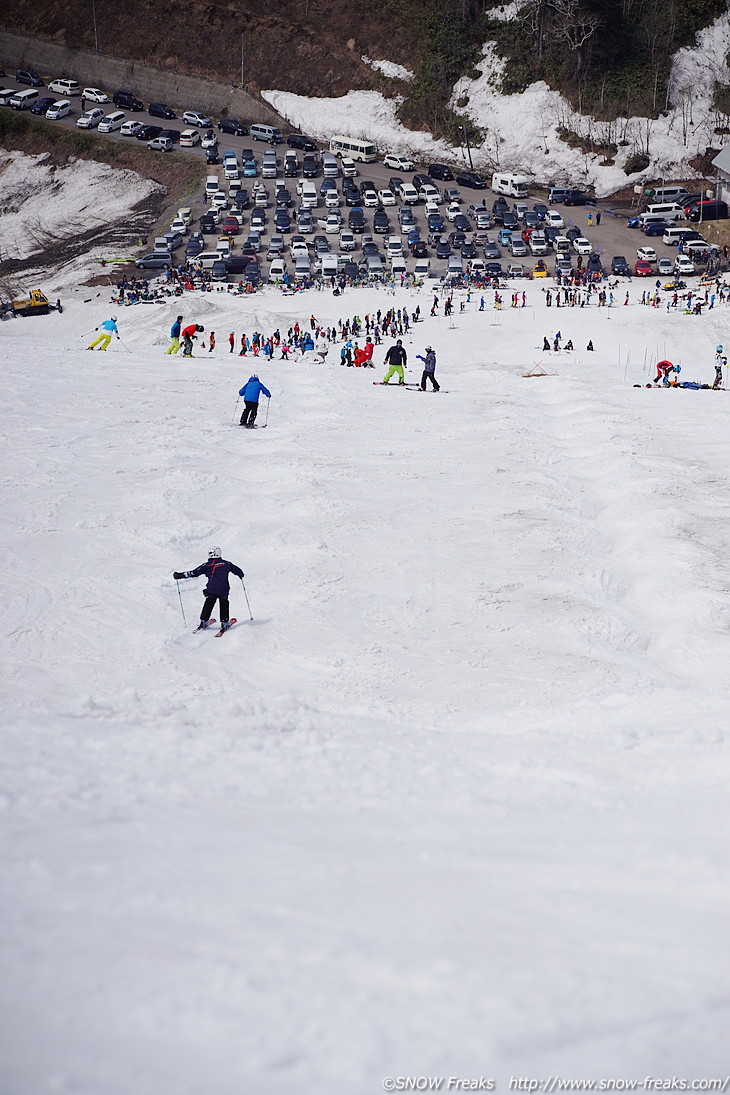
(251, 391)
(569, 344)
(545, 344)
(590, 344)
(108, 327)
(216, 570)
(396, 358)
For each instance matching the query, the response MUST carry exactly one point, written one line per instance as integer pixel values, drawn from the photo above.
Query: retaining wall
(55, 60)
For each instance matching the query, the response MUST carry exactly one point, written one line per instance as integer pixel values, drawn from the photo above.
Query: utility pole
(96, 33)
(242, 60)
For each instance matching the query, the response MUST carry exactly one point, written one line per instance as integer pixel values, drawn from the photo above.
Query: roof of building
(722, 160)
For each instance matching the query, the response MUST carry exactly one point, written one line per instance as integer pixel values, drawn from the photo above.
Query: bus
(355, 149)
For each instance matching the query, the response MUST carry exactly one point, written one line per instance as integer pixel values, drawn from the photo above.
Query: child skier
(216, 570)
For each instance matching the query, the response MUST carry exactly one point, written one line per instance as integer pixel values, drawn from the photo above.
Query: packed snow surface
(454, 802)
(521, 130)
(390, 68)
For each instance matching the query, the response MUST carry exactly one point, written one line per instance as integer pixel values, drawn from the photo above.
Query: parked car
(619, 266)
(39, 107)
(398, 163)
(65, 88)
(94, 95)
(642, 268)
(656, 228)
(156, 260)
(161, 110)
(147, 132)
(194, 117)
(127, 99)
(112, 121)
(131, 129)
(160, 144)
(440, 171)
(471, 179)
(298, 140)
(90, 118)
(684, 266)
(230, 125)
(594, 265)
(581, 245)
(209, 139)
(664, 267)
(58, 110)
(646, 254)
(578, 197)
(28, 76)
(554, 219)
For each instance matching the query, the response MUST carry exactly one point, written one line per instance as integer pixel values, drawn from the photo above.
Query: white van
(65, 87)
(349, 170)
(269, 133)
(112, 121)
(422, 269)
(672, 236)
(398, 266)
(668, 194)
(329, 265)
(189, 138)
(514, 186)
(58, 110)
(307, 191)
(649, 218)
(23, 100)
(211, 186)
(408, 193)
(455, 267)
(668, 210)
(561, 245)
(330, 166)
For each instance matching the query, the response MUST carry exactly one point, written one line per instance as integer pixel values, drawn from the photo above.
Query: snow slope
(454, 803)
(521, 130)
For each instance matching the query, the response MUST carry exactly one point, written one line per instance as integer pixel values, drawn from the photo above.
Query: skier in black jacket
(216, 571)
(396, 358)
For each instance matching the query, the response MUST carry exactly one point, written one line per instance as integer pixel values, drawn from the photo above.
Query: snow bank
(46, 208)
(521, 130)
(390, 68)
(451, 804)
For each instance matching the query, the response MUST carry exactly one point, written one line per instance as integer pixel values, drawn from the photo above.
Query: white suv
(90, 119)
(194, 117)
(398, 163)
(64, 87)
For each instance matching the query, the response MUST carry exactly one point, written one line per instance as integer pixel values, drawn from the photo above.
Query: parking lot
(419, 241)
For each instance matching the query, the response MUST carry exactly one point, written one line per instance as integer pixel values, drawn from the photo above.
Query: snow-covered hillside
(454, 802)
(522, 129)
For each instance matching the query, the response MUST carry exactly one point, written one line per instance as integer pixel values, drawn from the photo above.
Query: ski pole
(266, 421)
(124, 344)
(246, 596)
(235, 411)
(181, 604)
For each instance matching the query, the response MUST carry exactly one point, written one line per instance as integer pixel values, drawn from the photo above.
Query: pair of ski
(203, 626)
(411, 387)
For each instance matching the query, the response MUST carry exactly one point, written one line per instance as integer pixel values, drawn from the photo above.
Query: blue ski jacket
(252, 389)
(109, 325)
(216, 571)
(175, 329)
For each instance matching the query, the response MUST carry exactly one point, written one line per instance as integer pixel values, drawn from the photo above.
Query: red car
(230, 227)
(642, 269)
(527, 232)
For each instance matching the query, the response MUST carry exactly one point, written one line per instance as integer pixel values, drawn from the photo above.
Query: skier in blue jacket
(251, 391)
(216, 570)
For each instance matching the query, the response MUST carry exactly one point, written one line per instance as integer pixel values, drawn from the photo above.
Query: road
(611, 238)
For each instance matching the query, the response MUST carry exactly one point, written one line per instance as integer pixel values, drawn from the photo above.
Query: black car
(468, 250)
(42, 106)
(212, 155)
(381, 223)
(28, 76)
(127, 99)
(462, 223)
(161, 110)
(351, 270)
(419, 181)
(619, 266)
(356, 220)
(440, 171)
(236, 264)
(405, 216)
(291, 169)
(443, 249)
(208, 224)
(351, 194)
(532, 219)
(656, 228)
(253, 273)
(230, 125)
(282, 222)
(435, 222)
(283, 197)
(241, 199)
(593, 265)
(394, 184)
(370, 249)
(471, 179)
(577, 197)
(509, 220)
(298, 140)
(541, 209)
(193, 247)
(309, 167)
(173, 134)
(494, 269)
(572, 234)
(418, 249)
(147, 132)
(367, 184)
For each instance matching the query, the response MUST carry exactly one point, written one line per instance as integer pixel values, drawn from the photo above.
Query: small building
(721, 163)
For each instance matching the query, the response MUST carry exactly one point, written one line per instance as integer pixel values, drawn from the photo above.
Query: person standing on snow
(174, 346)
(251, 392)
(108, 328)
(396, 358)
(216, 570)
(429, 369)
(188, 335)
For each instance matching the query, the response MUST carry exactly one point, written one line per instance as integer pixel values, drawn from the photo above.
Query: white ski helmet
(214, 553)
